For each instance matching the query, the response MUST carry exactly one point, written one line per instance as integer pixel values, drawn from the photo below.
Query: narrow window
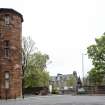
(0, 35)
(7, 75)
(6, 51)
(7, 78)
(6, 43)
(7, 19)
(6, 48)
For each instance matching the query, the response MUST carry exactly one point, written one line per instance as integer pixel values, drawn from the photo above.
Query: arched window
(7, 78)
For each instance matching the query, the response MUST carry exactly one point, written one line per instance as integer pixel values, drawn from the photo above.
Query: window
(0, 35)
(6, 43)
(6, 52)
(6, 48)
(7, 77)
(7, 19)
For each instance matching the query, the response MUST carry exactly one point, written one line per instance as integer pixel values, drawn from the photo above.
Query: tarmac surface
(56, 100)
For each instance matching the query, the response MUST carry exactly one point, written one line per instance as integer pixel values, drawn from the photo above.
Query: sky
(63, 29)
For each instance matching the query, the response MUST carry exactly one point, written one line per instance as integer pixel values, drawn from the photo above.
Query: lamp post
(83, 67)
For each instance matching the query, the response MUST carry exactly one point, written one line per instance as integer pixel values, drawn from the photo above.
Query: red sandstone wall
(11, 32)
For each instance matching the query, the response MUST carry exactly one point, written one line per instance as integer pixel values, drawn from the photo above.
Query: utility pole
(83, 67)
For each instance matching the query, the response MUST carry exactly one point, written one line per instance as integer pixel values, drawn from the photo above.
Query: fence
(94, 89)
(36, 90)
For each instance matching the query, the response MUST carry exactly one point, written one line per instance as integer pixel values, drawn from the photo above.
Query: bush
(55, 91)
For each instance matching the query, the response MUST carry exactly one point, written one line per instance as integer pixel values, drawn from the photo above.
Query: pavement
(56, 100)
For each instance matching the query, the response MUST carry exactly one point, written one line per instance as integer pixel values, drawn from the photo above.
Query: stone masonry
(10, 53)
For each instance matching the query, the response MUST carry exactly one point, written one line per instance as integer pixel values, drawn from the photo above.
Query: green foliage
(97, 53)
(34, 65)
(71, 81)
(37, 78)
(55, 91)
(35, 73)
(39, 60)
(95, 77)
(28, 47)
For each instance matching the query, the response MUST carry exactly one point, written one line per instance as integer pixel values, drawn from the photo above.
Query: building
(60, 81)
(10, 53)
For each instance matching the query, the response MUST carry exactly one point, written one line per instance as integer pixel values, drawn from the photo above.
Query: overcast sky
(63, 29)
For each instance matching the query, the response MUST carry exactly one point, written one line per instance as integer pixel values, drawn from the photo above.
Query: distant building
(60, 81)
(10, 53)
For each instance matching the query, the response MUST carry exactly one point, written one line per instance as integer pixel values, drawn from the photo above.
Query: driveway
(56, 100)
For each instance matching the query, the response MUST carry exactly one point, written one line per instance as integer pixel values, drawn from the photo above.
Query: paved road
(57, 100)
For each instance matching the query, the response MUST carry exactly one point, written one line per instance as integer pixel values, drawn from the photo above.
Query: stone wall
(10, 61)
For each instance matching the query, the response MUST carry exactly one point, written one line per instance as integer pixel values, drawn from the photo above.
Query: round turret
(10, 53)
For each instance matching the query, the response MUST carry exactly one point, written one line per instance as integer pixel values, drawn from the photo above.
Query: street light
(83, 66)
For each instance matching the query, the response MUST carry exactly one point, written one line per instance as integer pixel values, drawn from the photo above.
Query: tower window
(6, 43)
(7, 75)
(7, 19)
(6, 52)
(7, 78)
(6, 48)
(0, 35)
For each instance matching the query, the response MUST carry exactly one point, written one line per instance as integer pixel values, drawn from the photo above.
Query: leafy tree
(34, 65)
(95, 77)
(36, 75)
(39, 60)
(97, 53)
(28, 47)
(71, 81)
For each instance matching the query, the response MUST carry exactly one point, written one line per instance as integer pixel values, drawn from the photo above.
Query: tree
(35, 73)
(28, 47)
(95, 77)
(71, 81)
(33, 65)
(97, 53)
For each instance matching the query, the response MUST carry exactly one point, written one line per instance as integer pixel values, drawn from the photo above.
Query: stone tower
(10, 53)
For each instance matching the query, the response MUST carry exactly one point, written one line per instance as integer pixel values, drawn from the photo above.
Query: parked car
(81, 91)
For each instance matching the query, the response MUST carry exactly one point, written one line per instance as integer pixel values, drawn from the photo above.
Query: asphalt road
(57, 100)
